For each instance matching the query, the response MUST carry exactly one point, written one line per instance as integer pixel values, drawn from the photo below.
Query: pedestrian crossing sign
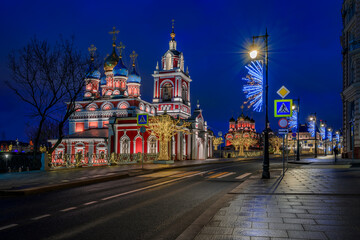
(283, 107)
(142, 119)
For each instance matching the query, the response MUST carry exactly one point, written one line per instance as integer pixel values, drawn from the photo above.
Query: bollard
(19, 169)
(27, 168)
(9, 169)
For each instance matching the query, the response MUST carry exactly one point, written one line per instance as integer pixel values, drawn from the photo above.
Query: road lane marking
(89, 203)
(40, 217)
(68, 209)
(65, 180)
(243, 176)
(148, 187)
(218, 174)
(226, 175)
(8, 226)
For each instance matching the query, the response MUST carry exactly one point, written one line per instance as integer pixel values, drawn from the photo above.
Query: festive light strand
(253, 88)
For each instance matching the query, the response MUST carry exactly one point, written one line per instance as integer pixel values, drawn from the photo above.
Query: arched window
(152, 145)
(167, 92)
(184, 93)
(168, 62)
(125, 145)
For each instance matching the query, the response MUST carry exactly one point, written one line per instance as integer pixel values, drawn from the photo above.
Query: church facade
(105, 123)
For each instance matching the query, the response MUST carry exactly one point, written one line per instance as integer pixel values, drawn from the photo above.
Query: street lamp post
(253, 55)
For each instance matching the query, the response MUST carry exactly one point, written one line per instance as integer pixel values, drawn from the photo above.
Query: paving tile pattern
(305, 204)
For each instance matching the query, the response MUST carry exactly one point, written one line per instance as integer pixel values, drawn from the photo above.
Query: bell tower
(172, 83)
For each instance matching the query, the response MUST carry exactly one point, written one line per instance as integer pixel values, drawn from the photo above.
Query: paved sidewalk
(39, 181)
(307, 203)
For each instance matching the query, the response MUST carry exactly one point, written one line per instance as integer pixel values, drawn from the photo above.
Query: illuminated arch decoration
(147, 108)
(87, 94)
(123, 105)
(108, 93)
(142, 106)
(116, 92)
(107, 106)
(78, 107)
(92, 107)
(152, 111)
(254, 85)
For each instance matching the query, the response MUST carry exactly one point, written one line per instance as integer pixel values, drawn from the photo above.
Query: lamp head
(253, 53)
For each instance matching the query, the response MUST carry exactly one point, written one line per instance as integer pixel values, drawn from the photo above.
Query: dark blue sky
(305, 51)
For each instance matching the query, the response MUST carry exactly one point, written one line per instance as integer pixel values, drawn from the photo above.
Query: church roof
(111, 61)
(120, 69)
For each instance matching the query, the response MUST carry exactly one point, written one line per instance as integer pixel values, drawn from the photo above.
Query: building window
(184, 93)
(79, 127)
(152, 146)
(167, 92)
(93, 124)
(125, 146)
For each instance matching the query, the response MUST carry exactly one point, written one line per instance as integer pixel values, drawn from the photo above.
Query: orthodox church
(105, 120)
(243, 125)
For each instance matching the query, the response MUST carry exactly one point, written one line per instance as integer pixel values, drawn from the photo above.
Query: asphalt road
(154, 206)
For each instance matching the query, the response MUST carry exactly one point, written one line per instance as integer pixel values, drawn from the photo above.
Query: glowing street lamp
(253, 54)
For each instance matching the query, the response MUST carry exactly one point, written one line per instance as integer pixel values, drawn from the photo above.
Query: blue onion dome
(120, 69)
(134, 77)
(103, 80)
(91, 72)
(111, 61)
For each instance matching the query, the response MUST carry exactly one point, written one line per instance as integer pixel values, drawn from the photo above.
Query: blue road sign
(142, 119)
(283, 108)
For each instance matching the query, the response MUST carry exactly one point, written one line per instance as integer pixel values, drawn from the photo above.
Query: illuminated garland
(293, 121)
(311, 128)
(253, 88)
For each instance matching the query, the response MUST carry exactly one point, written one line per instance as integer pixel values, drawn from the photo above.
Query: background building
(350, 42)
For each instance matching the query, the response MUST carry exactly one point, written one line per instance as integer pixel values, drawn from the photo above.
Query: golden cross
(242, 107)
(92, 50)
(133, 56)
(173, 22)
(120, 48)
(114, 32)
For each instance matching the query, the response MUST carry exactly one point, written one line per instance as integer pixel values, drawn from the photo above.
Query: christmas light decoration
(329, 135)
(217, 142)
(254, 85)
(243, 140)
(164, 127)
(311, 128)
(293, 121)
(276, 143)
(322, 132)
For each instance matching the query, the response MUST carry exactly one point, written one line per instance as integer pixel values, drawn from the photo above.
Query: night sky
(305, 51)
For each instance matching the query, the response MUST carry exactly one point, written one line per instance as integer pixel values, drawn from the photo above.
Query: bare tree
(46, 76)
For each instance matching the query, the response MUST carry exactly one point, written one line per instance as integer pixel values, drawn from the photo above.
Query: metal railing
(102, 159)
